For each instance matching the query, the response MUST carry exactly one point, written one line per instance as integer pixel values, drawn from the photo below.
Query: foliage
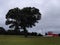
(2, 30)
(22, 18)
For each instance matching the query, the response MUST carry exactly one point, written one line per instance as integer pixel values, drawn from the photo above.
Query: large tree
(23, 18)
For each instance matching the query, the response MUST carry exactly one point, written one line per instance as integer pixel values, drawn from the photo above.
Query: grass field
(21, 40)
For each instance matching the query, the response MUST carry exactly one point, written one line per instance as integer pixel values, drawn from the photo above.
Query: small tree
(2, 30)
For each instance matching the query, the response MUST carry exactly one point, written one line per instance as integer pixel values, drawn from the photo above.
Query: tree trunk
(17, 31)
(25, 32)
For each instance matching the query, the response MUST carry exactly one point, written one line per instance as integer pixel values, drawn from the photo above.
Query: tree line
(12, 32)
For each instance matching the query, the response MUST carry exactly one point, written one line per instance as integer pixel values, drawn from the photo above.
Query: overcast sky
(50, 10)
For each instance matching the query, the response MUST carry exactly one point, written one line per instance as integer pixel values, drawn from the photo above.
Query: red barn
(52, 34)
(55, 35)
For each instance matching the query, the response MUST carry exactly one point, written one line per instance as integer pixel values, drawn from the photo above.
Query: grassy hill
(21, 40)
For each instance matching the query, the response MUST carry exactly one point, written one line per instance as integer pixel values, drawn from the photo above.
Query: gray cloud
(50, 10)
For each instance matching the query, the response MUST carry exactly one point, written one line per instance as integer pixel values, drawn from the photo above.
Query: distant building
(51, 34)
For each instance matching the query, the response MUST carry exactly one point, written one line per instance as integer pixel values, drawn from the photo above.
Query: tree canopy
(23, 18)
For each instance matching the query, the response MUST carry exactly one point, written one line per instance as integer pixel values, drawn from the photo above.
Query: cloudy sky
(50, 10)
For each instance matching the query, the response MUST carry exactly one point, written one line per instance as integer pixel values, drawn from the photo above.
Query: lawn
(21, 40)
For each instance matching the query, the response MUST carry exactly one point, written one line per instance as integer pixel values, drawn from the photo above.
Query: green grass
(21, 40)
